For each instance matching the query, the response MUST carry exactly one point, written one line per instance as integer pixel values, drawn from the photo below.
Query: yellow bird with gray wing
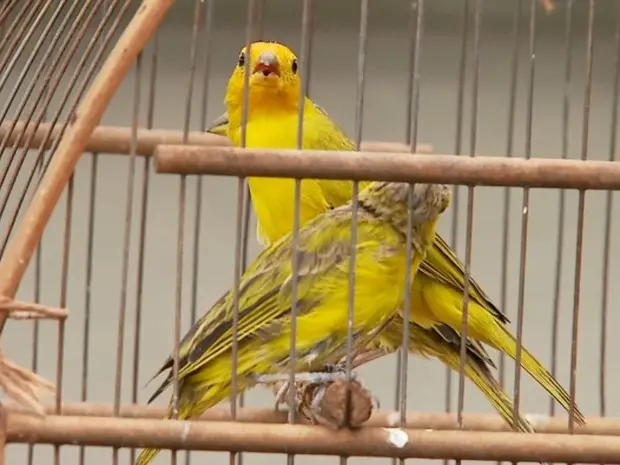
(437, 292)
(324, 257)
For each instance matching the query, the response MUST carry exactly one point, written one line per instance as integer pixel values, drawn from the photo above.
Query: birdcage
(102, 98)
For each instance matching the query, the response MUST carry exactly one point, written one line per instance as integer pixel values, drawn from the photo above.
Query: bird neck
(263, 105)
(379, 203)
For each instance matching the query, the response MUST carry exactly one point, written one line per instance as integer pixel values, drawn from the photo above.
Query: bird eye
(294, 66)
(241, 61)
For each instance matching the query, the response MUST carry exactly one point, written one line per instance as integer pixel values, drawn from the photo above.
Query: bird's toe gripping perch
(321, 397)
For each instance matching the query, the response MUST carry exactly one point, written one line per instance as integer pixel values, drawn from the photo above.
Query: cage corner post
(13, 264)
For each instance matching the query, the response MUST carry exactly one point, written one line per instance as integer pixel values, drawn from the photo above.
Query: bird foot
(281, 395)
(312, 378)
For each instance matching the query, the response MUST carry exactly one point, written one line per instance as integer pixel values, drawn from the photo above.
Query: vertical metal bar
(90, 247)
(413, 104)
(512, 109)
(359, 124)
(525, 212)
(525, 209)
(460, 99)
(198, 12)
(64, 288)
(458, 140)
(413, 22)
(178, 303)
(608, 216)
(581, 216)
(413, 138)
(241, 192)
(247, 208)
(470, 208)
(129, 195)
(37, 299)
(568, 48)
(146, 172)
(198, 192)
(404, 349)
(304, 56)
(208, 29)
(181, 223)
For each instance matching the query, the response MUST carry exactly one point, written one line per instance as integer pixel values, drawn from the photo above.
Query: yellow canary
(265, 296)
(437, 292)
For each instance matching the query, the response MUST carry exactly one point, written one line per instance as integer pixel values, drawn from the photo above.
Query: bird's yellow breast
(273, 198)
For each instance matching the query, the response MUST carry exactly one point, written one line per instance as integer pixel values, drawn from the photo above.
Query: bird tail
(443, 343)
(494, 393)
(480, 375)
(190, 406)
(540, 374)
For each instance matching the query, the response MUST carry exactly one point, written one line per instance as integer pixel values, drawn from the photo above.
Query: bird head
(273, 77)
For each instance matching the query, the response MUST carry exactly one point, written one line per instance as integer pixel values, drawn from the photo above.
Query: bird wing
(474, 348)
(219, 125)
(453, 274)
(265, 290)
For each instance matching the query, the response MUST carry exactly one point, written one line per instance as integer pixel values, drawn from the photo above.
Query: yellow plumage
(265, 299)
(437, 292)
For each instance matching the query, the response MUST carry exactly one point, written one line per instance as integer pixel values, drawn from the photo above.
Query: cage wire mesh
(137, 256)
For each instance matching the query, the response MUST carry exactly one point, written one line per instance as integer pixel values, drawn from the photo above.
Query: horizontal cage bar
(389, 166)
(303, 439)
(608, 426)
(117, 140)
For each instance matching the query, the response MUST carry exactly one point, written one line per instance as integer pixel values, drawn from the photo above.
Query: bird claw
(281, 395)
(315, 405)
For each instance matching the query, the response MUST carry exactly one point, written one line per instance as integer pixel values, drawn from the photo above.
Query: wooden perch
(332, 410)
(18, 310)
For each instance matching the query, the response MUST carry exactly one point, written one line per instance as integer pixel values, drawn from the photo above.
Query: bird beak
(267, 64)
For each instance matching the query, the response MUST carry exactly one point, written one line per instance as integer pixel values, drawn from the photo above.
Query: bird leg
(310, 377)
(281, 394)
(304, 380)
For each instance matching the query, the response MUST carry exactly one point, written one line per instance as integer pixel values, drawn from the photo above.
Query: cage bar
(608, 426)
(116, 140)
(303, 439)
(389, 166)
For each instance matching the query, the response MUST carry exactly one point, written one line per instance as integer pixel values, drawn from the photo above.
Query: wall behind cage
(334, 63)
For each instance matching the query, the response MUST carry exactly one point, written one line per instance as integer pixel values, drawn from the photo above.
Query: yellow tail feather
(540, 374)
(482, 378)
(496, 396)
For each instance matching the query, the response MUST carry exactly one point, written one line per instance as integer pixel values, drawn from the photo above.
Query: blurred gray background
(334, 64)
